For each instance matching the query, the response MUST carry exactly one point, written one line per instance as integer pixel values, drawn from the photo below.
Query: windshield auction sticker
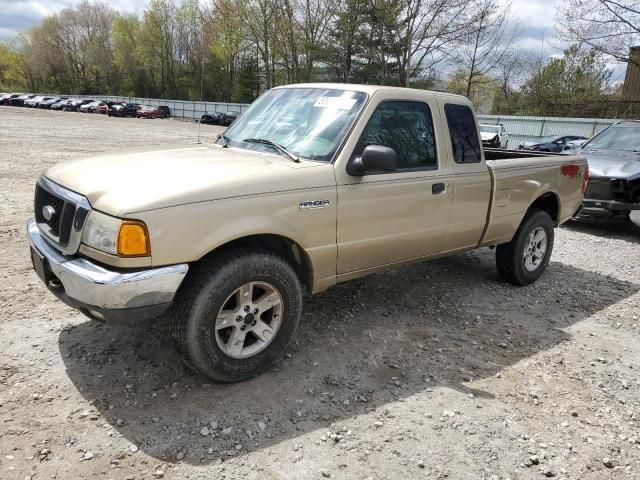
(340, 103)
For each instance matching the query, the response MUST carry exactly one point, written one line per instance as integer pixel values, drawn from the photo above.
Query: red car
(103, 107)
(147, 111)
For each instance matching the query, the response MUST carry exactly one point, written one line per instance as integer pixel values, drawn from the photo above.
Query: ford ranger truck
(315, 184)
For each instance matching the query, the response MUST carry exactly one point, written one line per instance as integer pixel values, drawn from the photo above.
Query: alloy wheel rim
(535, 249)
(248, 320)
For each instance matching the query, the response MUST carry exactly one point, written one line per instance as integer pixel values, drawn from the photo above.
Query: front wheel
(525, 258)
(236, 314)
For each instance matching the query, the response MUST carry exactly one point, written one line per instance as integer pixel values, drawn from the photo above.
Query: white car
(494, 136)
(33, 102)
(89, 107)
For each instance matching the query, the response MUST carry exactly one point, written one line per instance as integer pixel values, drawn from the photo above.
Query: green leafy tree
(481, 94)
(12, 75)
(567, 86)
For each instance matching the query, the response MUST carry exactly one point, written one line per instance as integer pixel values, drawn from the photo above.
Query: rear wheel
(525, 258)
(236, 314)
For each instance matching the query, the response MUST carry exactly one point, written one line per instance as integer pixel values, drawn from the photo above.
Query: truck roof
(371, 89)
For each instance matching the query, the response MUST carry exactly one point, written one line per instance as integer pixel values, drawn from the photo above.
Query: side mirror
(374, 158)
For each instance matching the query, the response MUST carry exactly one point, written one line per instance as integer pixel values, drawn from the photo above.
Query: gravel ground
(438, 370)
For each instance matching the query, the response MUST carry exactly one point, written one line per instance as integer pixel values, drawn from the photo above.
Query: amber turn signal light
(133, 239)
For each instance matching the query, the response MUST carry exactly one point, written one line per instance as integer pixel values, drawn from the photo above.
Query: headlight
(101, 232)
(125, 238)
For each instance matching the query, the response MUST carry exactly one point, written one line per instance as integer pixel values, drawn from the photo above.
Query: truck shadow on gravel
(361, 345)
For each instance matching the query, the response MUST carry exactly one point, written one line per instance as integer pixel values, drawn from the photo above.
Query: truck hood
(613, 164)
(124, 184)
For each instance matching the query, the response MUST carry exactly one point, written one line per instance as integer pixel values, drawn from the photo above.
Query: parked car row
(68, 104)
(496, 136)
(219, 118)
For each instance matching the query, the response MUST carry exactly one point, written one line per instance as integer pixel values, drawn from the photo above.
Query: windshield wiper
(273, 145)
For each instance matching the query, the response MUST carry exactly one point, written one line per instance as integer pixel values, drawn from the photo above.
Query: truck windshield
(308, 122)
(618, 137)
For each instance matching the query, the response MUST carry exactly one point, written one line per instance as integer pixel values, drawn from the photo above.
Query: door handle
(437, 188)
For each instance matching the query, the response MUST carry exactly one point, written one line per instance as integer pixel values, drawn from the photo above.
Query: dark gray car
(554, 143)
(614, 171)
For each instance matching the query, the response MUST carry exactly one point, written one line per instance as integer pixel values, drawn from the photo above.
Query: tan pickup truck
(314, 185)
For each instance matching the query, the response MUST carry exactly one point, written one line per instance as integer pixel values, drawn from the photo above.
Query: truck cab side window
(464, 133)
(407, 127)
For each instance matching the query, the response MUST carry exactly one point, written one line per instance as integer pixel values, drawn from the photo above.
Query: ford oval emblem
(48, 212)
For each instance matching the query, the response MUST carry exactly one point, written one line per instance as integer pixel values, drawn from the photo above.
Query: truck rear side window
(407, 127)
(464, 134)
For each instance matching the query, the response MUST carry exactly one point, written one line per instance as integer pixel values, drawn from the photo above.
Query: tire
(511, 261)
(214, 286)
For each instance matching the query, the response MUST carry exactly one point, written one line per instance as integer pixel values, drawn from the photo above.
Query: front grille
(599, 189)
(60, 214)
(43, 199)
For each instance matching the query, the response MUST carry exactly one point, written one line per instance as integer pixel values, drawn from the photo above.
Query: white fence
(532, 127)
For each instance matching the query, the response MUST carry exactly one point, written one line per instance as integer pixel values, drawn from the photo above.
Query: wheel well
(548, 203)
(282, 246)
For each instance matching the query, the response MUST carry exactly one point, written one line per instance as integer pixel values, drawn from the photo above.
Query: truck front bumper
(100, 292)
(607, 208)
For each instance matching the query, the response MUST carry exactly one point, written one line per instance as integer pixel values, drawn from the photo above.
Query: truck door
(472, 183)
(389, 217)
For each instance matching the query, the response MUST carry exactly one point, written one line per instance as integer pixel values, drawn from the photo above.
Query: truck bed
(516, 180)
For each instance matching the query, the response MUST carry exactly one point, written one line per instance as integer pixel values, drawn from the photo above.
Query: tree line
(233, 50)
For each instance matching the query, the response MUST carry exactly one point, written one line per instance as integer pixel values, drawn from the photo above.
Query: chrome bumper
(100, 292)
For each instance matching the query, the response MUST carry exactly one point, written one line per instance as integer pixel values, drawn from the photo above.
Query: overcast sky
(21, 14)
(536, 16)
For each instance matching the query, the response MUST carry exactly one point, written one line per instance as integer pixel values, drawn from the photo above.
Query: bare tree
(427, 28)
(491, 32)
(609, 26)
(317, 18)
(287, 36)
(510, 71)
(259, 17)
